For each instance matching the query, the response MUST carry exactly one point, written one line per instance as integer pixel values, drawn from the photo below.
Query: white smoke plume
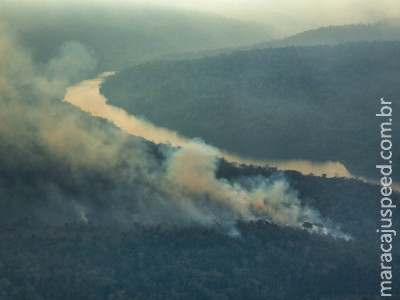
(190, 177)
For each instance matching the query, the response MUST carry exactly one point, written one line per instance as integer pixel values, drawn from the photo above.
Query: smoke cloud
(60, 165)
(190, 174)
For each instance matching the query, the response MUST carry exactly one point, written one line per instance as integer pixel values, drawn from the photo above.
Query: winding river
(86, 95)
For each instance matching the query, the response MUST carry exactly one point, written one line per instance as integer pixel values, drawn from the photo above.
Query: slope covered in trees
(386, 30)
(72, 258)
(317, 103)
(50, 251)
(89, 261)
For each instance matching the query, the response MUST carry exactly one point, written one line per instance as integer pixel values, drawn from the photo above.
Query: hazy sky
(290, 16)
(302, 13)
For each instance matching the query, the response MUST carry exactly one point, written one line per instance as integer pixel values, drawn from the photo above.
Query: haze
(286, 17)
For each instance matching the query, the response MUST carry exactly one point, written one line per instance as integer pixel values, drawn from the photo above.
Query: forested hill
(73, 258)
(317, 103)
(49, 250)
(387, 30)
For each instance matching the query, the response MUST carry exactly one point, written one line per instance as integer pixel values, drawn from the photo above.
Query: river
(86, 95)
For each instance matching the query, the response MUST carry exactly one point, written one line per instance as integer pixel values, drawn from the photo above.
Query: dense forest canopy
(386, 30)
(100, 257)
(79, 261)
(316, 103)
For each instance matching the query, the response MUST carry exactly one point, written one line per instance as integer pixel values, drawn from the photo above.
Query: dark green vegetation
(78, 261)
(388, 30)
(123, 35)
(104, 259)
(316, 103)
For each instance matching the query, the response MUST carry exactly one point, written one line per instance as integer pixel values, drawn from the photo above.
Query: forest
(385, 30)
(50, 252)
(89, 261)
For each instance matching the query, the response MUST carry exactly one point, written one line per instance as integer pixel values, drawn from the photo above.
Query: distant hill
(316, 103)
(387, 30)
(124, 35)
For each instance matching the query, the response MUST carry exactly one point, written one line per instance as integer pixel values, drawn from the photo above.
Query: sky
(291, 15)
(287, 16)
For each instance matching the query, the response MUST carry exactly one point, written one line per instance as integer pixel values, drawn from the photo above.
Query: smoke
(60, 165)
(72, 61)
(190, 176)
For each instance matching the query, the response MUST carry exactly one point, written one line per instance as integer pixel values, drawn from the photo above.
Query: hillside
(69, 227)
(50, 251)
(316, 103)
(386, 30)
